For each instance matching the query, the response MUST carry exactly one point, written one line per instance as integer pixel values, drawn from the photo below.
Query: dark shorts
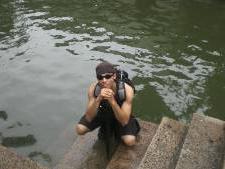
(132, 128)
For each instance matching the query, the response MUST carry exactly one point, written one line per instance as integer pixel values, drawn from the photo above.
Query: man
(103, 100)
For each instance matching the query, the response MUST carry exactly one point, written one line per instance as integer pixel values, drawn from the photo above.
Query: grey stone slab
(164, 149)
(223, 166)
(11, 160)
(224, 152)
(224, 163)
(204, 145)
(86, 153)
(130, 157)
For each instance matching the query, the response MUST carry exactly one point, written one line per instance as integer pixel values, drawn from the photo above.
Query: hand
(107, 93)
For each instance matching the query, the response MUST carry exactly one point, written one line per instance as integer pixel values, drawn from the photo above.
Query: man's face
(106, 80)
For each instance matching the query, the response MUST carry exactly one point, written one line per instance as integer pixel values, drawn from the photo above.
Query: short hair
(105, 67)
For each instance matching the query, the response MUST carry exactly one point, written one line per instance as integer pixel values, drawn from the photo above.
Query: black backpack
(122, 77)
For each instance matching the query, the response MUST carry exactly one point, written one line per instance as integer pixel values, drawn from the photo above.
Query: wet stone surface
(164, 149)
(204, 145)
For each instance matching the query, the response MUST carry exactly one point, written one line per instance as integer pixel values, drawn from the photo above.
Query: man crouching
(105, 104)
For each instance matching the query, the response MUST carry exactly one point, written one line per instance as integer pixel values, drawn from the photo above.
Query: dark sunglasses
(108, 76)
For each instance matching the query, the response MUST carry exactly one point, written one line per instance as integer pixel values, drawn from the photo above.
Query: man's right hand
(106, 93)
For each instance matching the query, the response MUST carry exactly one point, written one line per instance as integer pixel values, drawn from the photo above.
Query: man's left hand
(108, 94)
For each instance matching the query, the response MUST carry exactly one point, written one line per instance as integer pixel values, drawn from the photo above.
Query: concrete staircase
(204, 144)
(169, 145)
(130, 157)
(203, 148)
(89, 153)
(224, 162)
(164, 150)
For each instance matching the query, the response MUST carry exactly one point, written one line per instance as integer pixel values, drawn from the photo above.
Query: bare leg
(129, 140)
(81, 129)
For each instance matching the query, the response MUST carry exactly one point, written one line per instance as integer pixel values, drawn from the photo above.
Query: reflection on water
(173, 50)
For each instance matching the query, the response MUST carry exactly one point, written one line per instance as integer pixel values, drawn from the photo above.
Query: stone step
(87, 152)
(224, 152)
(164, 149)
(11, 160)
(204, 145)
(224, 162)
(130, 157)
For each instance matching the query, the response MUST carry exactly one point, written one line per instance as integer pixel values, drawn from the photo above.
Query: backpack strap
(121, 90)
(97, 90)
(123, 76)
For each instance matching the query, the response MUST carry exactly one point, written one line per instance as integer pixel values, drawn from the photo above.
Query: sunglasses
(108, 76)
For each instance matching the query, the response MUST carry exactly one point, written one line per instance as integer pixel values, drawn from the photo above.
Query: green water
(174, 50)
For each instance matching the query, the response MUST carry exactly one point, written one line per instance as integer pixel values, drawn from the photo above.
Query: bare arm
(123, 113)
(93, 103)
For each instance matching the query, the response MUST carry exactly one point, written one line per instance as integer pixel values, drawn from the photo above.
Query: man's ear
(114, 76)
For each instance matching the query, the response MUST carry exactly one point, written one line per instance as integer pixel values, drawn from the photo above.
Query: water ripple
(49, 50)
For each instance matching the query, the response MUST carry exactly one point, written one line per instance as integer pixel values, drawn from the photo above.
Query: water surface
(172, 49)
